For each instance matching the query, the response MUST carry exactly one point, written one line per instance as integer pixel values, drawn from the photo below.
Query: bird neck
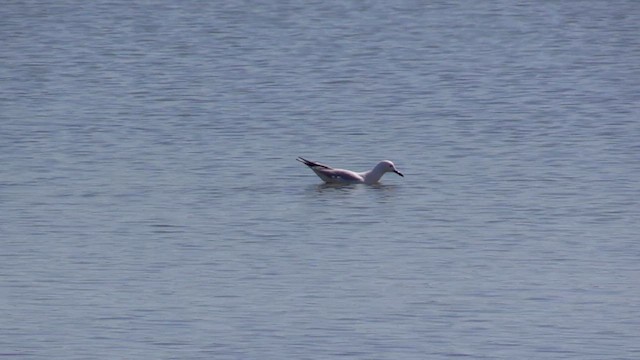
(373, 176)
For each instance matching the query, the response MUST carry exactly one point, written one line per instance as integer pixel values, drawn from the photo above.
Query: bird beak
(398, 172)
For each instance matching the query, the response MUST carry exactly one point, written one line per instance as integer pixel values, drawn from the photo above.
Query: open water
(151, 206)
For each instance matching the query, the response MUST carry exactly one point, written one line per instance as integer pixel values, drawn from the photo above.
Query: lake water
(151, 206)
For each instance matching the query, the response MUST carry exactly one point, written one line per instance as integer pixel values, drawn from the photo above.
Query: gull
(341, 176)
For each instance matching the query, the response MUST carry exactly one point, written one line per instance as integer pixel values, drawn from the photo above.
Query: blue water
(151, 206)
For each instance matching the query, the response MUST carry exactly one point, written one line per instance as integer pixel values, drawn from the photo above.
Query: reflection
(350, 188)
(384, 187)
(334, 186)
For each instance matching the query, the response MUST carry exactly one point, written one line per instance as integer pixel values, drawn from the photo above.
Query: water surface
(151, 205)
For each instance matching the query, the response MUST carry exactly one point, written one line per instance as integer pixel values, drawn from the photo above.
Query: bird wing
(331, 175)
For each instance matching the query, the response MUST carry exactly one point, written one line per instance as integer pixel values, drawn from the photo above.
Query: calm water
(152, 208)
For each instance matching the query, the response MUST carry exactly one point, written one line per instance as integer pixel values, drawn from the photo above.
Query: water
(151, 205)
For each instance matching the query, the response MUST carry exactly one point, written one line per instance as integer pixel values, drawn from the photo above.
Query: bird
(341, 176)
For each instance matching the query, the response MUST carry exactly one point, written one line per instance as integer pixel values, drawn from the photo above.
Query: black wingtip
(312, 164)
(304, 161)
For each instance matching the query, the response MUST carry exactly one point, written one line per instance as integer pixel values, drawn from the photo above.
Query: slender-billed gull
(341, 176)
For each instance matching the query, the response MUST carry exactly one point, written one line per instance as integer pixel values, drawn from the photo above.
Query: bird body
(342, 176)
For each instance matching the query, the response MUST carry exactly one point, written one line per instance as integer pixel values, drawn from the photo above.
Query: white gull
(341, 176)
